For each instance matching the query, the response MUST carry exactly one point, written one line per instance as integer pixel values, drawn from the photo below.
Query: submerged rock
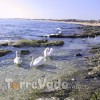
(95, 49)
(4, 44)
(25, 52)
(52, 98)
(4, 52)
(94, 72)
(69, 98)
(78, 55)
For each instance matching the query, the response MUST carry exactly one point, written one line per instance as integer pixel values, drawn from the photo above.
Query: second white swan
(17, 59)
(48, 52)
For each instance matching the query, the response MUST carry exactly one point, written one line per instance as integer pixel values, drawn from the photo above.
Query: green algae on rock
(4, 52)
(37, 43)
(25, 52)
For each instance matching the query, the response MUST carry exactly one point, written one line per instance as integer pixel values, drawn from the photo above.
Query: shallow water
(63, 61)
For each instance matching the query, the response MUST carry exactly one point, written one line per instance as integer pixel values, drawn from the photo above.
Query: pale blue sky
(53, 9)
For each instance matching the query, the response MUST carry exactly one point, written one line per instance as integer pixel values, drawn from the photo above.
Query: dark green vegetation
(29, 43)
(25, 52)
(37, 43)
(95, 95)
(4, 52)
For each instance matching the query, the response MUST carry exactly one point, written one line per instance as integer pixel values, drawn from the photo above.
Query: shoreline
(80, 23)
(84, 23)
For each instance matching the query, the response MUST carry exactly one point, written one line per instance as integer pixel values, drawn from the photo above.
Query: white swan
(18, 59)
(48, 52)
(40, 60)
(59, 29)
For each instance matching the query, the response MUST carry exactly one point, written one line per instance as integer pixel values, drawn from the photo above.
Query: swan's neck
(32, 59)
(45, 52)
(17, 54)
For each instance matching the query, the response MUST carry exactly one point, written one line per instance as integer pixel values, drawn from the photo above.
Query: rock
(69, 98)
(87, 31)
(78, 55)
(73, 79)
(52, 98)
(25, 52)
(95, 72)
(37, 43)
(4, 52)
(90, 69)
(4, 44)
(92, 75)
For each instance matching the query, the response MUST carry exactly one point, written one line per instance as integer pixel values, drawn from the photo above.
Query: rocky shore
(28, 43)
(87, 80)
(4, 52)
(87, 31)
(83, 84)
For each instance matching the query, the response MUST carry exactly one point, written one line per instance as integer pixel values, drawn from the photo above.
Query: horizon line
(52, 19)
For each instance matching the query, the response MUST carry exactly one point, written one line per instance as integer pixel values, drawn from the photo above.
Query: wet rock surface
(4, 52)
(88, 31)
(33, 43)
(94, 63)
(78, 55)
(25, 52)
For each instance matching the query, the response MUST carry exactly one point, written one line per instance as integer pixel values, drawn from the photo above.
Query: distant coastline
(85, 23)
(69, 21)
(80, 22)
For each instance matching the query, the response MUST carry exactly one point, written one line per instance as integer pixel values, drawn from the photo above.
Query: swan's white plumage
(48, 52)
(39, 61)
(59, 29)
(17, 59)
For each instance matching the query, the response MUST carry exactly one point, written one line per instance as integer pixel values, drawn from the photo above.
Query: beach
(85, 23)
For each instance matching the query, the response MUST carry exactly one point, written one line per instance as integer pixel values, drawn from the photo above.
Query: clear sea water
(13, 29)
(63, 61)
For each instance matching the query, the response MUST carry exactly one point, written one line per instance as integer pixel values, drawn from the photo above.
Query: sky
(50, 9)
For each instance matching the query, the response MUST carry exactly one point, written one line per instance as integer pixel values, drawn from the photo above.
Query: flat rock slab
(4, 52)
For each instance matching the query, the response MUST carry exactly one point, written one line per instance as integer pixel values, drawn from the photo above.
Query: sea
(62, 63)
(15, 29)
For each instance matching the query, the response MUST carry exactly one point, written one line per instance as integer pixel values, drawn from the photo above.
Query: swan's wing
(18, 60)
(39, 61)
